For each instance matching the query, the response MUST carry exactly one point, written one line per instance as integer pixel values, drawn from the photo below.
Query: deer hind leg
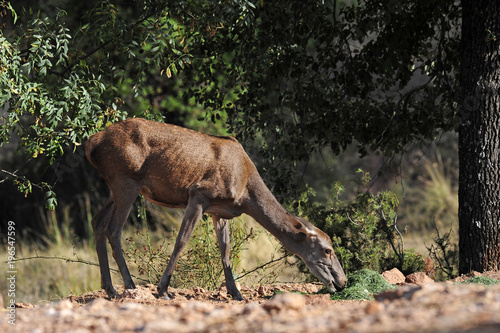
(222, 231)
(194, 211)
(123, 201)
(99, 225)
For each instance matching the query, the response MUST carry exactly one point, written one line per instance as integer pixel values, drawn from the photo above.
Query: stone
(319, 299)
(138, 293)
(394, 276)
(418, 278)
(263, 290)
(199, 290)
(405, 292)
(288, 301)
(374, 307)
(21, 305)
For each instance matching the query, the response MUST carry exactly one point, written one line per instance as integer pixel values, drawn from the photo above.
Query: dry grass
(41, 279)
(431, 204)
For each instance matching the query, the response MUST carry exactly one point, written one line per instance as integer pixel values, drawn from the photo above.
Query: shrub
(412, 262)
(444, 252)
(199, 263)
(364, 231)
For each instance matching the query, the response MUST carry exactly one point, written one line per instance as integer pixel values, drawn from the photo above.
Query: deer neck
(268, 212)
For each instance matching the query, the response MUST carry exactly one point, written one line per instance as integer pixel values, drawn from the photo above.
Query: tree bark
(479, 137)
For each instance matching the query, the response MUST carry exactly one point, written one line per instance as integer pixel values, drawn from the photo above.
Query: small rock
(61, 309)
(24, 305)
(288, 301)
(263, 290)
(198, 290)
(374, 307)
(138, 293)
(162, 325)
(151, 287)
(251, 308)
(254, 312)
(405, 292)
(319, 299)
(195, 312)
(394, 276)
(418, 278)
(201, 307)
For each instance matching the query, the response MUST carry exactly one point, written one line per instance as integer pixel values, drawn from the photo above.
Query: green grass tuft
(480, 280)
(363, 284)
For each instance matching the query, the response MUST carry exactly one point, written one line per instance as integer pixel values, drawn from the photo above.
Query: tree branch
(77, 261)
(262, 266)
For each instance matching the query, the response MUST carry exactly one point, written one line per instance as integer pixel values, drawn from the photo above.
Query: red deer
(177, 167)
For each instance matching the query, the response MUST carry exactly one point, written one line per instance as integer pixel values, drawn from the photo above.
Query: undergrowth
(364, 230)
(363, 284)
(487, 281)
(200, 262)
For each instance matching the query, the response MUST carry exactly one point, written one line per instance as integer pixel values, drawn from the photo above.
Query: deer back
(166, 161)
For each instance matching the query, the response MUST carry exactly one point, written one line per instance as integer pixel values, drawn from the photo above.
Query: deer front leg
(193, 214)
(222, 231)
(123, 200)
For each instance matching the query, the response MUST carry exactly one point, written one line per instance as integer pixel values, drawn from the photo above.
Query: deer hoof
(112, 293)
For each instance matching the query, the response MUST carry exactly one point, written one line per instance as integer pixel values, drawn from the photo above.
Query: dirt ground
(431, 307)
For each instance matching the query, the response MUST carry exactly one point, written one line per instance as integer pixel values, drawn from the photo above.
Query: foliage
(362, 284)
(445, 253)
(301, 77)
(52, 99)
(328, 74)
(412, 262)
(363, 231)
(151, 259)
(480, 280)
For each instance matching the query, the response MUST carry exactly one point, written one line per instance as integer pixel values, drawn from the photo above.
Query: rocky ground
(422, 307)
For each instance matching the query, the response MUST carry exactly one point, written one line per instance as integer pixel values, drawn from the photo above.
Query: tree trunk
(479, 137)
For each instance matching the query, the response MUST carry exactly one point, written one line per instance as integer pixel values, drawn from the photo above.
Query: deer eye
(328, 251)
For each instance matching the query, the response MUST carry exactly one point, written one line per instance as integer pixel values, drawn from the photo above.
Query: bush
(199, 263)
(444, 252)
(412, 262)
(364, 231)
